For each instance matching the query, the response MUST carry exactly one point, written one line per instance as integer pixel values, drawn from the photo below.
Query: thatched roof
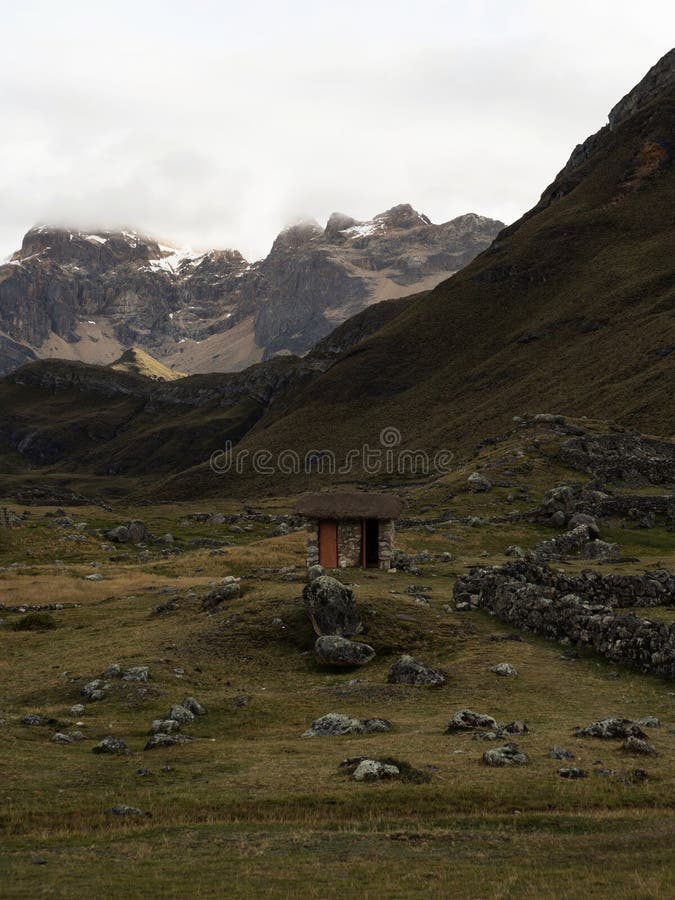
(349, 506)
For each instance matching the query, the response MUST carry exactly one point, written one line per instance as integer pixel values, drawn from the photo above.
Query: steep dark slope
(131, 418)
(571, 310)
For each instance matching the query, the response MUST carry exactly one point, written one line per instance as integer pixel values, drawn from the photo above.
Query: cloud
(216, 123)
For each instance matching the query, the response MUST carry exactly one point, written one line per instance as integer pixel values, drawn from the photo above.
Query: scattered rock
(166, 740)
(113, 671)
(331, 607)
(517, 727)
(136, 673)
(181, 714)
(639, 746)
(514, 550)
(484, 736)
(467, 720)
(227, 591)
(125, 811)
(507, 755)
(612, 728)
(374, 770)
(34, 719)
(409, 670)
(78, 709)
(560, 753)
(164, 726)
(585, 519)
(649, 722)
(133, 532)
(333, 650)
(478, 482)
(505, 669)
(111, 744)
(193, 706)
(96, 689)
(336, 724)
(573, 772)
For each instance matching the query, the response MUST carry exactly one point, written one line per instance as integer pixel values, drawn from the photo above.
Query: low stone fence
(565, 608)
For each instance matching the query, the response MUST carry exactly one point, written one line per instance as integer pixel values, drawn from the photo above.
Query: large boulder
(333, 650)
(409, 670)
(133, 532)
(331, 607)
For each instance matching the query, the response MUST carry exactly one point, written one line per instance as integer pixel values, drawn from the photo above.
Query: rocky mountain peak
(657, 78)
(296, 235)
(402, 216)
(339, 222)
(97, 250)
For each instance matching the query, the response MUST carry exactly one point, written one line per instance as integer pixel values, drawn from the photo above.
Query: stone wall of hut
(312, 542)
(386, 542)
(349, 534)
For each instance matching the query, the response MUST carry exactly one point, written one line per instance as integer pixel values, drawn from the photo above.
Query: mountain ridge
(91, 295)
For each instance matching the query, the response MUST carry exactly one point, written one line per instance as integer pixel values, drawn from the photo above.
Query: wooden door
(328, 554)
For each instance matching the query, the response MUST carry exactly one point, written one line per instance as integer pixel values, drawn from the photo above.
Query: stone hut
(355, 529)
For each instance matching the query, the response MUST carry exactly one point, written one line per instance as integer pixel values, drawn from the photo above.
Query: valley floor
(251, 808)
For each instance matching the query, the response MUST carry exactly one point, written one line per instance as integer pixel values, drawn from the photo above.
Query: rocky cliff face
(89, 296)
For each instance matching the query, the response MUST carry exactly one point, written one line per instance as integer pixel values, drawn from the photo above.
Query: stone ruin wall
(581, 610)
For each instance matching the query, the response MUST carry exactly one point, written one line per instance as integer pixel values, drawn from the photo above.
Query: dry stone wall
(580, 609)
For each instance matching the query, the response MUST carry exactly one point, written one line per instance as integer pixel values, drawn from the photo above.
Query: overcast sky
(215, 123)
